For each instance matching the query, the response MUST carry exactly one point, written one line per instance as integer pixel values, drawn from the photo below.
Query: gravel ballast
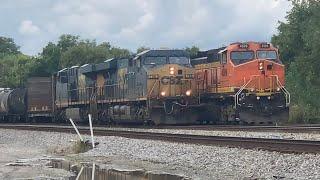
(195, 161)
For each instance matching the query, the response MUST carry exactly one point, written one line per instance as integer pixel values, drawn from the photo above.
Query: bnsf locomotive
(243, 82)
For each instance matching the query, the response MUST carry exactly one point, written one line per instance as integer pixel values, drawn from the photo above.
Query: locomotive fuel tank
(12, 102)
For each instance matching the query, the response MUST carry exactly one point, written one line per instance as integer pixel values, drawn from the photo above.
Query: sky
(134, 23)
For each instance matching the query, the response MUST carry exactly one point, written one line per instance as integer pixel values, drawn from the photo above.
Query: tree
(51, 55)
(8, 46)
(89, 52)
(298, 40)
(15, 69)
(66, 41)
(193, 50)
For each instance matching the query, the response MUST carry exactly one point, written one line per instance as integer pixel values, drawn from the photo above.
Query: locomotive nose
(264, 65)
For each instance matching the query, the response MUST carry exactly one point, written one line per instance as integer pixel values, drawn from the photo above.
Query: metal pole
(80, 172)
(93, 171)
(91, 130)
(74, 126)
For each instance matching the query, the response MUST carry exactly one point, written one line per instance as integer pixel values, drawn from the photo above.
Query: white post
(91, 130)
(93, 171)
(80, 172)
(74, 126)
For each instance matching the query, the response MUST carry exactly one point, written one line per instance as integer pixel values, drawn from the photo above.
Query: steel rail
(280, 145)
(289, 129)
(308, 128)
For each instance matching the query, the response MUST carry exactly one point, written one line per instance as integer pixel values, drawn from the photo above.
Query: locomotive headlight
(171, 70)
(163, 93)
(261, 66)
(258, 97)
(188, 93)
(278, 89)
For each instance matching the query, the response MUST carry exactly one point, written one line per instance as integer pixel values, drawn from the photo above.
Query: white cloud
(27, 27)
(133, 23)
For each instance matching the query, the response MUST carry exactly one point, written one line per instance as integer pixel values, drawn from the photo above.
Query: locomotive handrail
(236, 100)
(284, 90)
(151, 90)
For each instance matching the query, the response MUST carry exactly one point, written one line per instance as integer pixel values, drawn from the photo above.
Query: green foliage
(8, 46)
(70, 50)
(299, 44)
(15, 69)
(192, 50)
(89, 52)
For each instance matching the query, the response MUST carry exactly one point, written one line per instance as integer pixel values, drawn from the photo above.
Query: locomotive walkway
(280, 145)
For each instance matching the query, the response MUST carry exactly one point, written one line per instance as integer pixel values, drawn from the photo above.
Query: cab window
(179, 60)
(223, 57)
(239, 57)
(155, 60)
(267, 55)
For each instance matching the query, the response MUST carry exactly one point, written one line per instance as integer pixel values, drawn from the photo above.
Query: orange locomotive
(243, 82)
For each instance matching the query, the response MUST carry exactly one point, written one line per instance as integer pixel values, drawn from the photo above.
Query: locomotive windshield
(179, 60)
(239, 57)
(267, 55)
(155, 60)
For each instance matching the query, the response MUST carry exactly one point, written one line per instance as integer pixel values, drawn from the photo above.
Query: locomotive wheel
(251, 118)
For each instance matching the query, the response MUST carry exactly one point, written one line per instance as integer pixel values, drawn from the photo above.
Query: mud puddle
(90, 171)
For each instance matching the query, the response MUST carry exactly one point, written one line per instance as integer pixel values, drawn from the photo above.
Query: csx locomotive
(155, 86)
(243, 82)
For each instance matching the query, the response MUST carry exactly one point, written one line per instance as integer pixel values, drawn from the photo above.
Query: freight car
(12, 105)
(243, 82)
(39, 99)
(153, 87)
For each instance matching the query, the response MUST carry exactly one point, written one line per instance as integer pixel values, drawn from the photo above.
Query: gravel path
(195, 161)
(272, 135)
(207, 162)
(24, 154)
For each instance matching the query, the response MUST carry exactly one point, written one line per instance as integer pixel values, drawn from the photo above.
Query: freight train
(238, 83)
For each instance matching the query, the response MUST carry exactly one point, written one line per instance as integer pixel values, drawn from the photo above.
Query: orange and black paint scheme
(243, 82)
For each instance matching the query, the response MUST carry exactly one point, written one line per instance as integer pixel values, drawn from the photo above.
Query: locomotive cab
(170, 87)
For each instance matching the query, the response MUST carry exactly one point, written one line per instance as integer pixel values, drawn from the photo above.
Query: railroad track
(280, 145)
(308, 128)
(289, 129)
